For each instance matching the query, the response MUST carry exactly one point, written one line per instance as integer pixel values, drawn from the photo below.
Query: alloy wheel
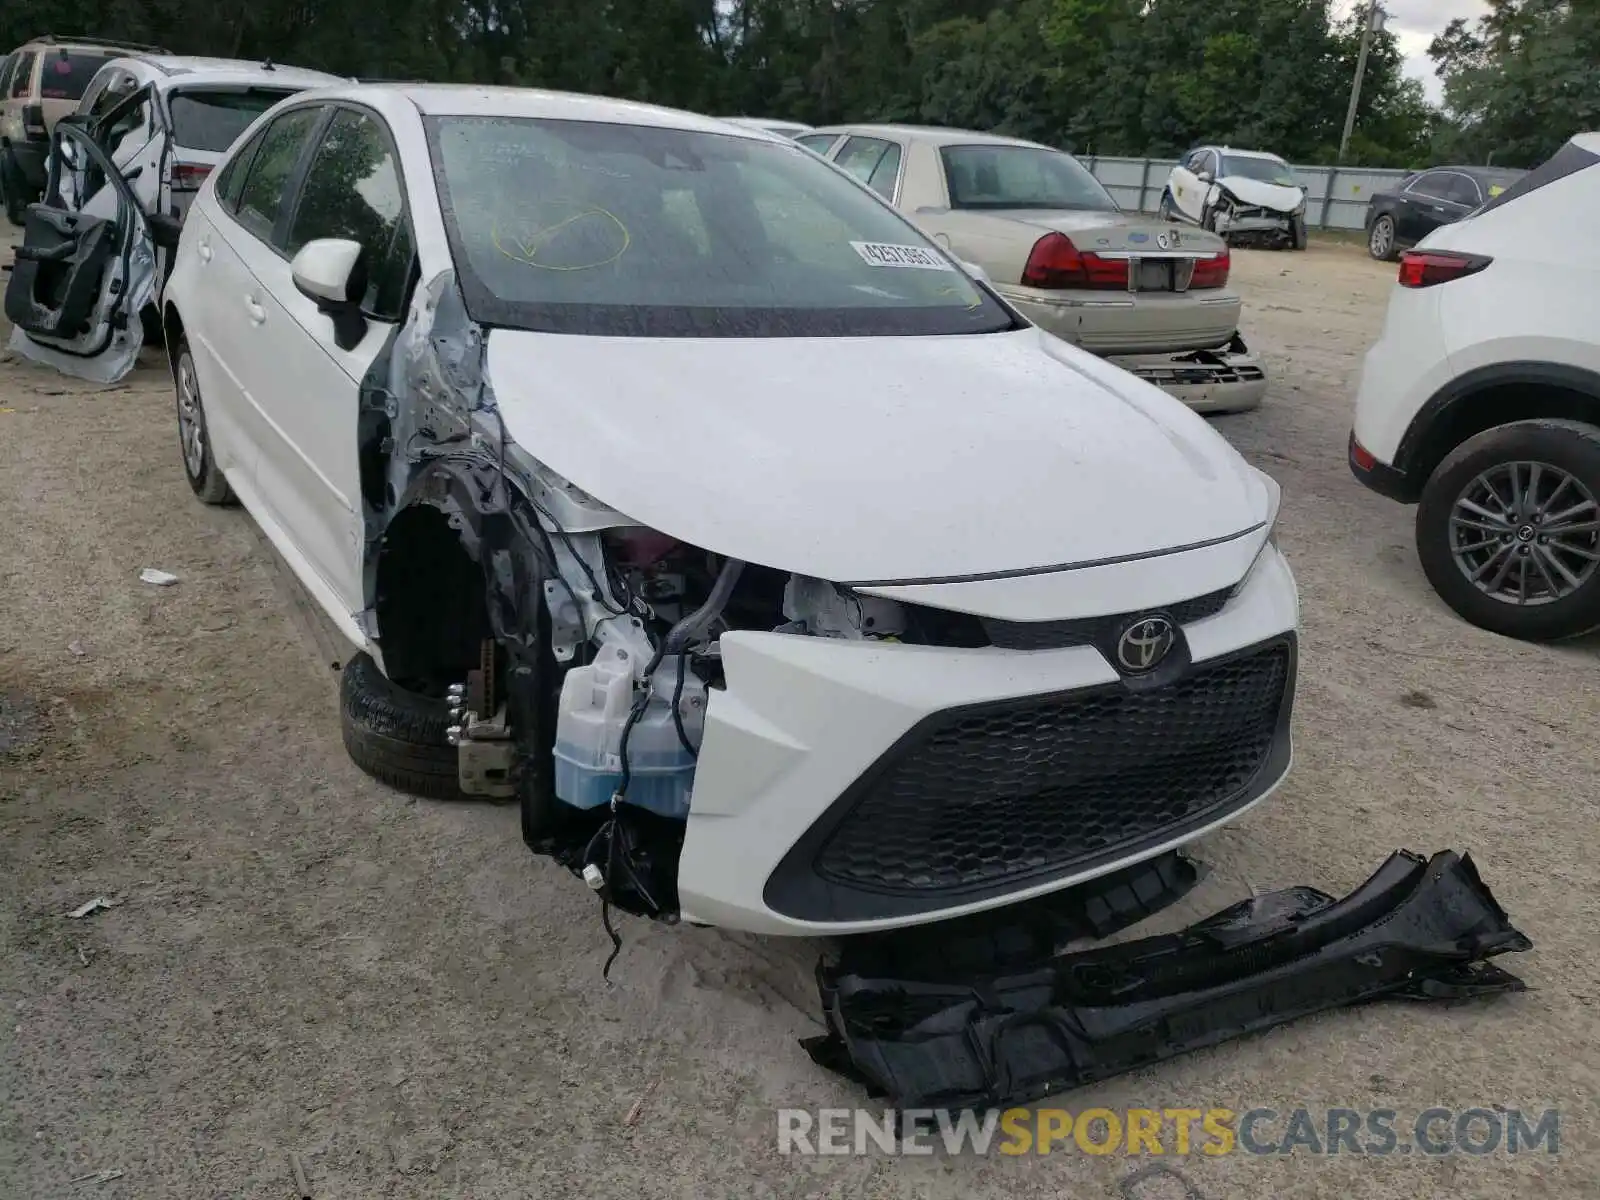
(1526, 533)
(1381, 241)
(191, 422)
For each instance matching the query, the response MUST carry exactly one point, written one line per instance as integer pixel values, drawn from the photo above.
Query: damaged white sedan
(671, 483)
(1241, 195)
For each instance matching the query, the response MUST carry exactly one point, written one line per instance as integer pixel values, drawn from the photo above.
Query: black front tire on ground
(1164, 209)
(1570, 448)
(200, 468)
(1298, 235)
(397, 737)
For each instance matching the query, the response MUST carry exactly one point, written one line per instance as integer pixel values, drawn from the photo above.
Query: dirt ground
(300, 960)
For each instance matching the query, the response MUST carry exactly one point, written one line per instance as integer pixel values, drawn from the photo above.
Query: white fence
(1336, 197)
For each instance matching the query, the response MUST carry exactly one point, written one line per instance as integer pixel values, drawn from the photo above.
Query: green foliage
(1519, 82)
(1095, 76)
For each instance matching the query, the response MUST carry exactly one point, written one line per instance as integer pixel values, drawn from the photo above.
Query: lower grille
(981, 799)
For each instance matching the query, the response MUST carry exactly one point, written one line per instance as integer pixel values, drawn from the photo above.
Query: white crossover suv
(662, 476)
(1480, 403)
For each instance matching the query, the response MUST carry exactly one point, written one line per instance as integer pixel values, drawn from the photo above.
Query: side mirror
(1203, 176)
(329, 272)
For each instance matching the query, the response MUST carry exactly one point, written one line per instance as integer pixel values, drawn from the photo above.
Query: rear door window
(24, 74)
(818, 142)
(211, 120)
(861, 156)
(1431, 186)
(1459, 189)
(66, 73)
(272, 170)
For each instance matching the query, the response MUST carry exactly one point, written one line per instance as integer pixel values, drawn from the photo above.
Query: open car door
(84, 271)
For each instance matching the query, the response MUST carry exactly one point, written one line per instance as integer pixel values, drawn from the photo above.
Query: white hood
(1266, 195)
(869, 459)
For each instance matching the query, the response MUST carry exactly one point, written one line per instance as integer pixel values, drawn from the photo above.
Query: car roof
(1237, 153)
(194, 69)
(936, 135)
(475, 100)
(1476, 171)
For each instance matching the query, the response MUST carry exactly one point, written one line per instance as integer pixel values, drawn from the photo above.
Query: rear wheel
(1380, 239)
(11, 191)
(1508, 530)
(194, 439)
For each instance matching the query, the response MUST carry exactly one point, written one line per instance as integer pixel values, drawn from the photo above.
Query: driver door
(83, 272)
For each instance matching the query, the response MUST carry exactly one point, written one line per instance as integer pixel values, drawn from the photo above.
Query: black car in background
(1425, 200)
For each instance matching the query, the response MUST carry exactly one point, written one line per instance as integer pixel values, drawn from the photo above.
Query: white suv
(1481, 403)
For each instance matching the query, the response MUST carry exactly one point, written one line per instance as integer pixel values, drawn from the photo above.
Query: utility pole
(1372, 24)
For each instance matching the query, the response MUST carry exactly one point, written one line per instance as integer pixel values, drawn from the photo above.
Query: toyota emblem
(1144, 644)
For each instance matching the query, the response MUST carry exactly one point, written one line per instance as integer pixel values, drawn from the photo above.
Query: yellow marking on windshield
(526, 246)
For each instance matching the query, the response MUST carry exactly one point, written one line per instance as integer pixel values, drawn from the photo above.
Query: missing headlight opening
(577, 650)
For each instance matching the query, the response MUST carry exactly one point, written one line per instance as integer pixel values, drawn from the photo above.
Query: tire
(395, 736)
(194, 440)
(1381, 239)
(1164, 209)
(1298, 235)
(11, 197)
(1560, 448)
(150, 323)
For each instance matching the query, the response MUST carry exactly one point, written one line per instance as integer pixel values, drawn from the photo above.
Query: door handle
(257, 313)
(204, 250)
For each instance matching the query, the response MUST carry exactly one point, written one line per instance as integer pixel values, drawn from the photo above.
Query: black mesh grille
(989, 796)
(1048, 635)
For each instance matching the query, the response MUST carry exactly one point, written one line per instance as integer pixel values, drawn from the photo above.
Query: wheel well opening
(429, 602)
(1499, 405)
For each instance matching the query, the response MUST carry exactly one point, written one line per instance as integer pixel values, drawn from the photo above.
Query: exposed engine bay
(1255, 224)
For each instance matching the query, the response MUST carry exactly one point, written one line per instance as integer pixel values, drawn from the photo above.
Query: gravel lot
(301, 960)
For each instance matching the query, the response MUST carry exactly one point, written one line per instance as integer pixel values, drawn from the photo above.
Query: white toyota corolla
(670, 481)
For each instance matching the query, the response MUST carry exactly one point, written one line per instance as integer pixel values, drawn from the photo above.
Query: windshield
(212, 120)
(996, 176)
(627, 230)
(1267, 170)
(66, 73)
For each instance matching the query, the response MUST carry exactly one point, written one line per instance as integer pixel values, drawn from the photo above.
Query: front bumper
(1209, 381)
(806, 729)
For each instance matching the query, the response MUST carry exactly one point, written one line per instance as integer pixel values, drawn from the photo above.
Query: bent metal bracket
(1418, 928)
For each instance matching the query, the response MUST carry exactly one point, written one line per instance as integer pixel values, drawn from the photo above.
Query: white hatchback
(1480, 403)
(662, 476)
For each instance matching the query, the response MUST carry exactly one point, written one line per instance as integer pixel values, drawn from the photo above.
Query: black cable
(677, 716)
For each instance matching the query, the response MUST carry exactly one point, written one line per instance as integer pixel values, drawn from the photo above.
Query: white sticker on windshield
(882, 254)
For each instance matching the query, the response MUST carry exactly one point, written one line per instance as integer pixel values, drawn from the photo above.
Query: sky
(1414, 24)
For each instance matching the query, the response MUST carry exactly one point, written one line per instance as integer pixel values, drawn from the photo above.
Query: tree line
(1109, 77)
